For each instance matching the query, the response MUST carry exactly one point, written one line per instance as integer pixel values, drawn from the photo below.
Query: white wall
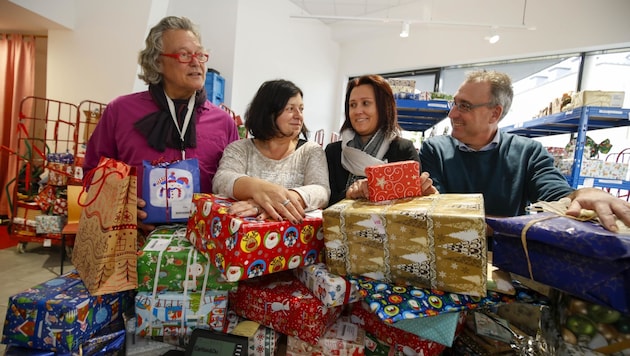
(271, 45)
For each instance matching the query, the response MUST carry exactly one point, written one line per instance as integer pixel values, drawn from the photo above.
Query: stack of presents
(395, 274)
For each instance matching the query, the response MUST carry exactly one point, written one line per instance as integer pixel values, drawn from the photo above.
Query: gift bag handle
(110, 163)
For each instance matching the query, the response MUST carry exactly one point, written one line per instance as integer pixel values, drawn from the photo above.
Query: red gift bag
(105, 245)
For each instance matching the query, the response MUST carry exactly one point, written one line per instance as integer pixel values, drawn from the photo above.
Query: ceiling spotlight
(404, 32)
(494, 36)
(494, 39)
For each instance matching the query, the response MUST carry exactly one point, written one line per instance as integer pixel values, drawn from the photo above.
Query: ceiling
(16, 19)
(347, 8)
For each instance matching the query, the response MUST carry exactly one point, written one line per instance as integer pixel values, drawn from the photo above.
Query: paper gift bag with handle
(105, 246)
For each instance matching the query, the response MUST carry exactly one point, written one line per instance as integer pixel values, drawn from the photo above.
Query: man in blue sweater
(510, 171)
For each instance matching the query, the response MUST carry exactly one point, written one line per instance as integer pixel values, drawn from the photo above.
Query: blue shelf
(420, 115)
(579, 121)
(597, 117)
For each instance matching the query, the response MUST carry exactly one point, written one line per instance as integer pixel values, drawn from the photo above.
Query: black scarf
(159, 128)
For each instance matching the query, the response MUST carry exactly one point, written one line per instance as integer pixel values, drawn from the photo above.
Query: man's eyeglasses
(466, 106)
(187, 57)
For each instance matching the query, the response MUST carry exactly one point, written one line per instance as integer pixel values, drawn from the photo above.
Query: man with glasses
(173, 119)
(510, 171)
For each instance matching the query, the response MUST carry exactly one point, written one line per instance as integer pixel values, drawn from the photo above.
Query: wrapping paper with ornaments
(343, 338)
(592, 326)
(172, 315)
(262, 341)
(46, 198)
(105, 246)
(399, 339)
(578, 257)
(49, 224)
(245, 248)
(437, 241)
(169, 262)
(416, 310)
(330, 288)
(168, 189)
(393, 181)
(280, 301)
(59, 168)
(60, 314)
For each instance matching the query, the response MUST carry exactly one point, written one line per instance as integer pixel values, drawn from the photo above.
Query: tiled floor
(19, 271)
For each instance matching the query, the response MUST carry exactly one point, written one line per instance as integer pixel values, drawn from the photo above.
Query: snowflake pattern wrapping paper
(436, 242)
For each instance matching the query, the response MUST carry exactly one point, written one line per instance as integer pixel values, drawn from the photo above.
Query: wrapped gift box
(400, 339)
(262, 341)
(24, 219)
(598, 98)
(581, 258)
(49, 224)
(412, 309)
(174, 315)
(60, 314)
(244, 247)
(343, 338)
(330, 288)
(280, 301)
(437, 241)
(393, 181)
(169, 262)
(168, 188)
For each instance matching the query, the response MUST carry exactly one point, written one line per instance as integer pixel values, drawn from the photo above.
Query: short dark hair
(269, 103)
(385, 103)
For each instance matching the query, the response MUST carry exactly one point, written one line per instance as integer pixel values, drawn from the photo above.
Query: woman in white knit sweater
(275, 174)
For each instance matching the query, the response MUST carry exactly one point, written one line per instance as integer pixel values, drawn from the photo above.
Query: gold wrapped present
(437, 241)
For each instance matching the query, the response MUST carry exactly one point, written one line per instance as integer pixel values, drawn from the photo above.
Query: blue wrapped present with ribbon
(578, 257)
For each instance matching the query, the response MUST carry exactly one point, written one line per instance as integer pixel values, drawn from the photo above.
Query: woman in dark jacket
(370, 136)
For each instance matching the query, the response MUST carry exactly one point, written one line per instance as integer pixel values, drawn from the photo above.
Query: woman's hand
(358, 189)
(272, 201)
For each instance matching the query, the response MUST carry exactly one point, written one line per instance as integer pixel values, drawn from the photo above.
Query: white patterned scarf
(355, 156)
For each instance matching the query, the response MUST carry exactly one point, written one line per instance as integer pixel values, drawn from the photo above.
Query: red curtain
(17, 80)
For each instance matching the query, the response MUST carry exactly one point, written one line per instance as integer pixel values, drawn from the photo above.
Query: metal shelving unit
(579, 120)
(420, 115)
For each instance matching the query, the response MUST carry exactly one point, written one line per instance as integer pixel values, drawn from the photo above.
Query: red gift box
(402, 340)
(281, 302)
(393, 181)
(243, 248)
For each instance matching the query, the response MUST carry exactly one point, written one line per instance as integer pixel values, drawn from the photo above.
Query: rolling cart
(51, 137)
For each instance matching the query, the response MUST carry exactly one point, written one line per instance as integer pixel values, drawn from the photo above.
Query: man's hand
(427, 184)
(146, 228)
(604, 204)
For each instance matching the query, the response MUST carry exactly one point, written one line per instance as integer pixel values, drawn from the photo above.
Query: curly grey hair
(500, 87)
(148, 58)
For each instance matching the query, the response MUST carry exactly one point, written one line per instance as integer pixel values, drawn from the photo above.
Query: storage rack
(578, 120)
(47, 126)
(420, 115)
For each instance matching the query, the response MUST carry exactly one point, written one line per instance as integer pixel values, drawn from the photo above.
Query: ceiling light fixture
(494, 36)
(404, 32)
